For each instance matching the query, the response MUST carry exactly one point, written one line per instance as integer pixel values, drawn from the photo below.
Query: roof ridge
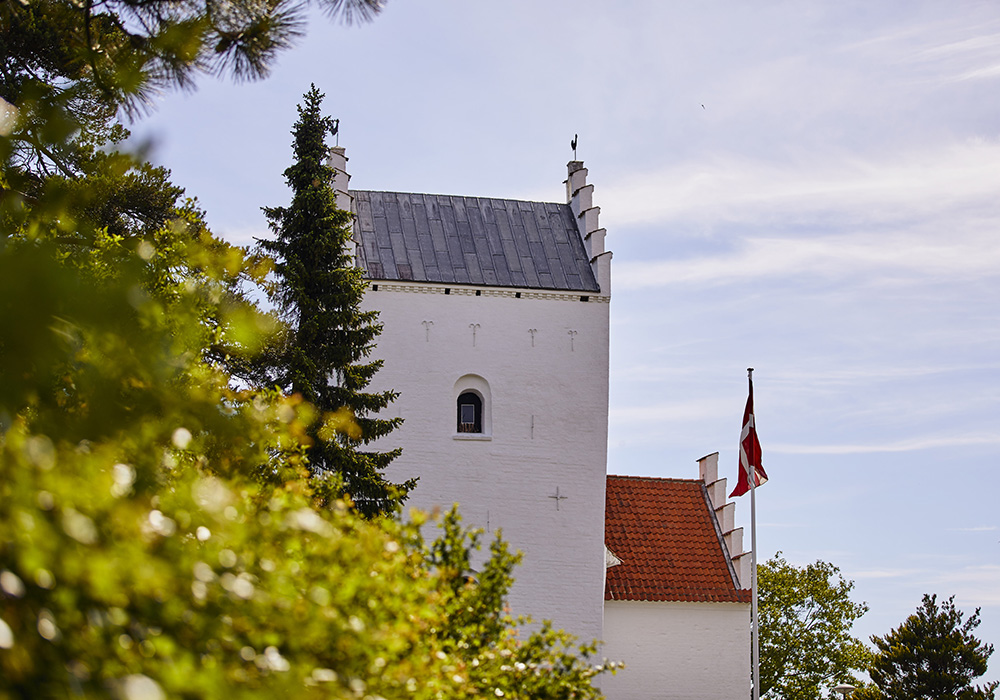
(462, 196)
(653, 478)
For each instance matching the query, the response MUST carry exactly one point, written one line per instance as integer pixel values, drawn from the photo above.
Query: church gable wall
(673, 650)
(537, 469)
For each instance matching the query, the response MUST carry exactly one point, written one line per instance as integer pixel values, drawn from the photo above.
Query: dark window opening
(374, 287)
(447, 290)
(584, 298)
(479, 292)
(517, 295)
(470, 413)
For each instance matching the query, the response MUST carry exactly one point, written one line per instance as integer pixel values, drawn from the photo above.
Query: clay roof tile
(666, 537)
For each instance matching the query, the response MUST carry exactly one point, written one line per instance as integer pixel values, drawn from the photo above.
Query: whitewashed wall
(547, 428)
(677, 651)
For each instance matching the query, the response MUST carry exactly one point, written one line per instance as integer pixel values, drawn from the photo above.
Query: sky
(811, 189)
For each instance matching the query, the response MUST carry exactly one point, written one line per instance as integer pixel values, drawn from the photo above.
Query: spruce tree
(319, 290)
(932, 655)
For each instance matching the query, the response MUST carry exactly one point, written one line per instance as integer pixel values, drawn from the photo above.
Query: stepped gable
(669, 542)
(470, 240)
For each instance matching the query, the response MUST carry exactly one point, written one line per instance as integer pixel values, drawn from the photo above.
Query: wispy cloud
(850, 376)
(834, 372)
(981, 528)
(988, 43)
(969, 58)
(244, 236)
(926, 214)
(910, 445)
(886, 573)
(972, 585)
(667, 413)
(987, 72)
(827, 256)
(866, 189)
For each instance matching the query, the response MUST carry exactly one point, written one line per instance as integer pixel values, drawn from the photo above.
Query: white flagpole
(755, 652)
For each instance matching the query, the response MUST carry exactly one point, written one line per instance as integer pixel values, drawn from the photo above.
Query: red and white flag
(749, 452)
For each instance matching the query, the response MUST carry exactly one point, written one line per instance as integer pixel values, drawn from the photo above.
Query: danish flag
(749, 452)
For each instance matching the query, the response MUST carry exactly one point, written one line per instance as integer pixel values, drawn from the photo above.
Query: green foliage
(930, 656)
(545, 665)
(118, 51)
(67, 67)
(475, 602)
(207, 586)
(320, 290)
(117, 576)
(805, 629)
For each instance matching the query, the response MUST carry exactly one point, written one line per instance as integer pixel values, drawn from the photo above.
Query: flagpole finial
(749, 371)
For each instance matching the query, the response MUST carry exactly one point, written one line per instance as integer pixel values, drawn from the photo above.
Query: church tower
(495, 334)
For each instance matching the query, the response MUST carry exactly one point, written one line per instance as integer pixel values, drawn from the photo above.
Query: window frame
(480, 388)
(471, 399)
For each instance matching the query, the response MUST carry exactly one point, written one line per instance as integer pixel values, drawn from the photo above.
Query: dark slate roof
(663, 532)
(470, 240)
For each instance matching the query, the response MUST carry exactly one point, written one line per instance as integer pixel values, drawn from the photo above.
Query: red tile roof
(665, 534)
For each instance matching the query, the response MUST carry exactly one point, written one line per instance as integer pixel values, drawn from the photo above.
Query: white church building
(495, 318)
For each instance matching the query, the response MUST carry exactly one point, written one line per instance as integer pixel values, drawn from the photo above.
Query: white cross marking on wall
(558, 498)
(474, 327)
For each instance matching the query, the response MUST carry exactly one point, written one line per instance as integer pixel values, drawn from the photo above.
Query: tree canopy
(932, 655)
(805, 641)
(318, 287)
(68, 68)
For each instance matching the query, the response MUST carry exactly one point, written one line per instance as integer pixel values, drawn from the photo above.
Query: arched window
(470, 413)
(473, 413)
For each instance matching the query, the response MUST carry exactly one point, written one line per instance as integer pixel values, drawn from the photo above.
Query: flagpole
(755, 652)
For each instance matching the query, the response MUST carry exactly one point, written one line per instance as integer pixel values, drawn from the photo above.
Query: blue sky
(808, 188)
